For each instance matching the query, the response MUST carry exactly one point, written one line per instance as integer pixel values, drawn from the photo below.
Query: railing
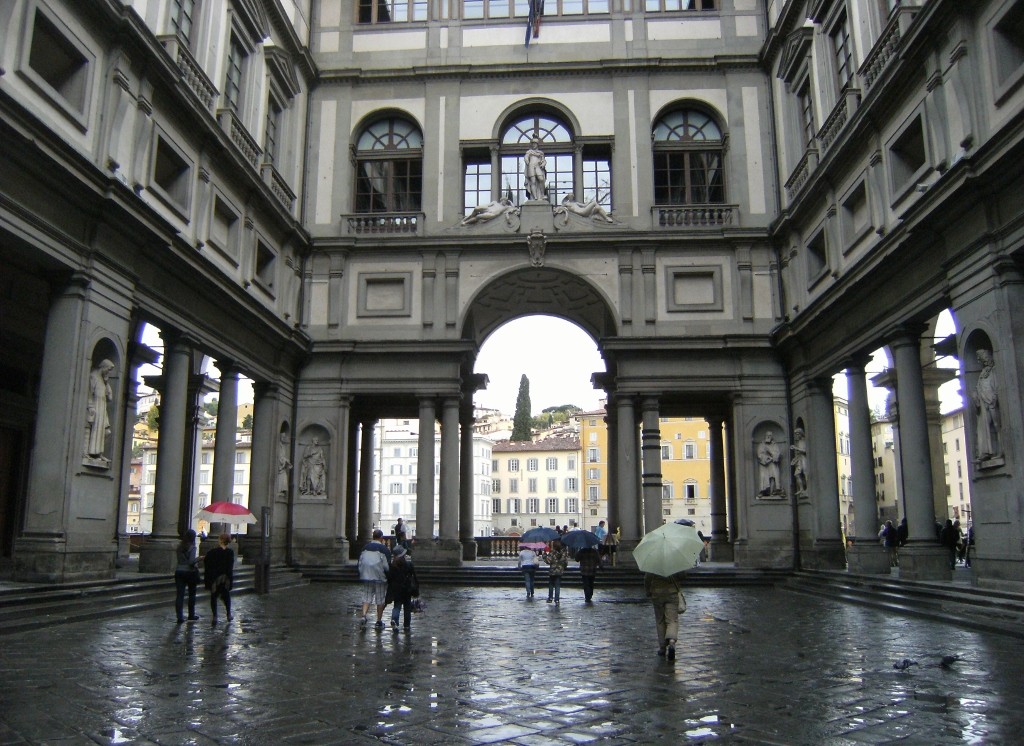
(840, 115)
(277, 184)
(245, 142)
(802, 172)
(191, 73)
(384, 224)
(886, 47)
(695, 216)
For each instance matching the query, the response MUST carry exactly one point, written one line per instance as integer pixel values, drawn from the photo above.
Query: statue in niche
(97, 427)
(486, 213)
(591, 209)
(799, 461)
(284, 466)
(536, 172)
(768, 457)
(313, 471)
(986, 405)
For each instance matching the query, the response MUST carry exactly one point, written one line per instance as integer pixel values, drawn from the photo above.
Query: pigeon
(904, 664)
(949, 660)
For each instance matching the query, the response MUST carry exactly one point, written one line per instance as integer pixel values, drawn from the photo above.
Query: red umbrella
(225, 512)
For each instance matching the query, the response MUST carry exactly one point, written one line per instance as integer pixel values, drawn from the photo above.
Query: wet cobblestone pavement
(487, 666)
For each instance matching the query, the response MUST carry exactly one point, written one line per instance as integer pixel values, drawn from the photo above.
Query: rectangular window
(667, 491)
(532, 464)
(496, 486)
(551, 464)
(207, 457)
(571, 463)
(58, 63)
(171, 174)
(572, 505)
(843, 51)
(652, 6)
(690, 490)
(593, 456)
(552, 484)
(552, 505)
(571, 484)
(182, 14)
(477, 184)
(513, 464)
(597, 181)
(514, 505)
(688, 177)
(496, 505)
(151, 457)
(391, 11)
(239, 457)
(513, 485)
(233, 76)
(395, 488)
(690, 450)
(533, 505)
(272, 130)
(412, 491)
(593, 493)
(531, 485)
(666, 452)
(239, 476)
(806, 105)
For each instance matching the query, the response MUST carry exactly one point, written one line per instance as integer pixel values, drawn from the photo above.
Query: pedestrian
(902, 532)
(589, 561)
(612, 542)
(398, 528)
(958, 535)
(186, 576)
(374, 562)
(403, 587)
(558, 560)
(891, 543)
(705, 553)
(668, 601)
(948, 539)
(528, 564)
(219, 573)
(969, 544)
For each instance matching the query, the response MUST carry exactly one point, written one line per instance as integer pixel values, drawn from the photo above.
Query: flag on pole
(533, 20)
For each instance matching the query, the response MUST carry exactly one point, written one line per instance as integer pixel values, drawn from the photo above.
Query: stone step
(31, 606)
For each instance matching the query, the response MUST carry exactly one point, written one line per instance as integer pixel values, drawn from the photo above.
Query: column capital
(857, 362)
(906, 335)
(227, 367)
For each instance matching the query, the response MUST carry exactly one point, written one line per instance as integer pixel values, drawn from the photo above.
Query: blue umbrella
(580, 539)
(540, 533)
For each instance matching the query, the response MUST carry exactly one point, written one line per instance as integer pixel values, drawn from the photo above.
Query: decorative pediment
(795, 53)
(252, 19)
(281, 70)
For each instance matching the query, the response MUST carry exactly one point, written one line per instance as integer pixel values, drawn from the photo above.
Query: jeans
(398, 606)
(554, 587)
(529, 573)
(183, 580)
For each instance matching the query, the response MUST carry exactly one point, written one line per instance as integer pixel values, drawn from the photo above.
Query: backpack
(373, 565)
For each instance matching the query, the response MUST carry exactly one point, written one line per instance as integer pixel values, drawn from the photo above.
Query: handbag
(682, 602)
(412, 585)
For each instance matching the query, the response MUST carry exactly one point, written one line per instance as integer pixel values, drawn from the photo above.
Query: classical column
(425, 471)
(138, 355)
(227, 434)
(650, 476)
(824, 476)
(719, 525)
(352, 483)
(338, 481)
(921, 559)
(264, 467)
(611, 465)
(625, 457)
(466, 482)
(366, 446)
(863, 555)
(157, 553)
(449, 518)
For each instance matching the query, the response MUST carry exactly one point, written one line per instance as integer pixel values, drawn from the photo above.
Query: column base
(825, 554)
(158, 554)
(868, 557)
(46, 558)
(721, 551)
(469, 550)
(438, 553)
(925, 562)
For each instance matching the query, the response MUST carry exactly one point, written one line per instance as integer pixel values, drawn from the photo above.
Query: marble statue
(536, 172)
(485, 213)
(799, 461)
(768, 456)
(313, 470)
(284, 465)
(98, 411)
(986, 405)
(591, 209)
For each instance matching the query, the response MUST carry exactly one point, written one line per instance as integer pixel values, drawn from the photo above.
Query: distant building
(536, 483)
(955, 456)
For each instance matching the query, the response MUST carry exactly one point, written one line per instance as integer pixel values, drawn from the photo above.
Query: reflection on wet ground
(488, 666)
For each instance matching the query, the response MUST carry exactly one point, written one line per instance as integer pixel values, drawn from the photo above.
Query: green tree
(247, 422)
(210, 407)
(521, 421)
(153, 418)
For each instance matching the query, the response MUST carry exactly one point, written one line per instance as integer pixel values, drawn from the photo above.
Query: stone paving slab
(486, 666)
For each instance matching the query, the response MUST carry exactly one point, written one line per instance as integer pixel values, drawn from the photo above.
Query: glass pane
(598, 6)
(499, 9)
(572, 7)
(560, 182)
(597, 182)
(512, 185)
(419, 10)
(473, 9)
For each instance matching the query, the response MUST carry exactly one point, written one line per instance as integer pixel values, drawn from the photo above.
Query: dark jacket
(589, 561)
(402, 582)
(219, 568)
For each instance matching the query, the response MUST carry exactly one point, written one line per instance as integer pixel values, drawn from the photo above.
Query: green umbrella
(668, 549)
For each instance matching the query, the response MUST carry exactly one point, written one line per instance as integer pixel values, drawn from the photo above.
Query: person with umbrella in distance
(662, 554)
(219, 569)
(589, 561)
(558, 560)
(186, 576)
(528, 564)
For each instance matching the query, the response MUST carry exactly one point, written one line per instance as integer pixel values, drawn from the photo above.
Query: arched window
(688, 150)
(389, 167)
(555, 140)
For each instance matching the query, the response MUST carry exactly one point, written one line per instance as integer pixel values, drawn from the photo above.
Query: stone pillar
(157, 553)
(263, 469)
(827, 550)
(351, 500)
(138, 355)
(721, 549)
(425, 471)
(338, 481)
(921, 558)
(650, 476)
(227, 437)
(449, 509)
(612, 470)
(626, 474)
(467, 484)
(865, 555)
(366, 446)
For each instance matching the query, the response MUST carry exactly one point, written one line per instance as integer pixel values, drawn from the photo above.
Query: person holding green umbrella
(662, 554)
(667, 598)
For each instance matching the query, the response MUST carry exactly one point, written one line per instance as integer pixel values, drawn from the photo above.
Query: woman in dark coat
(403, 586)
(219, 567)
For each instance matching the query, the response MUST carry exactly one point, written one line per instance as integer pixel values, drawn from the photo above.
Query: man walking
(374, 561)
(589, 561)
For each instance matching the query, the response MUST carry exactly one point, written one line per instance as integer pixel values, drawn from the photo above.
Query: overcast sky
(558, 358)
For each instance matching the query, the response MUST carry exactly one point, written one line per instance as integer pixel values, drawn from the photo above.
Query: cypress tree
(521, 421)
